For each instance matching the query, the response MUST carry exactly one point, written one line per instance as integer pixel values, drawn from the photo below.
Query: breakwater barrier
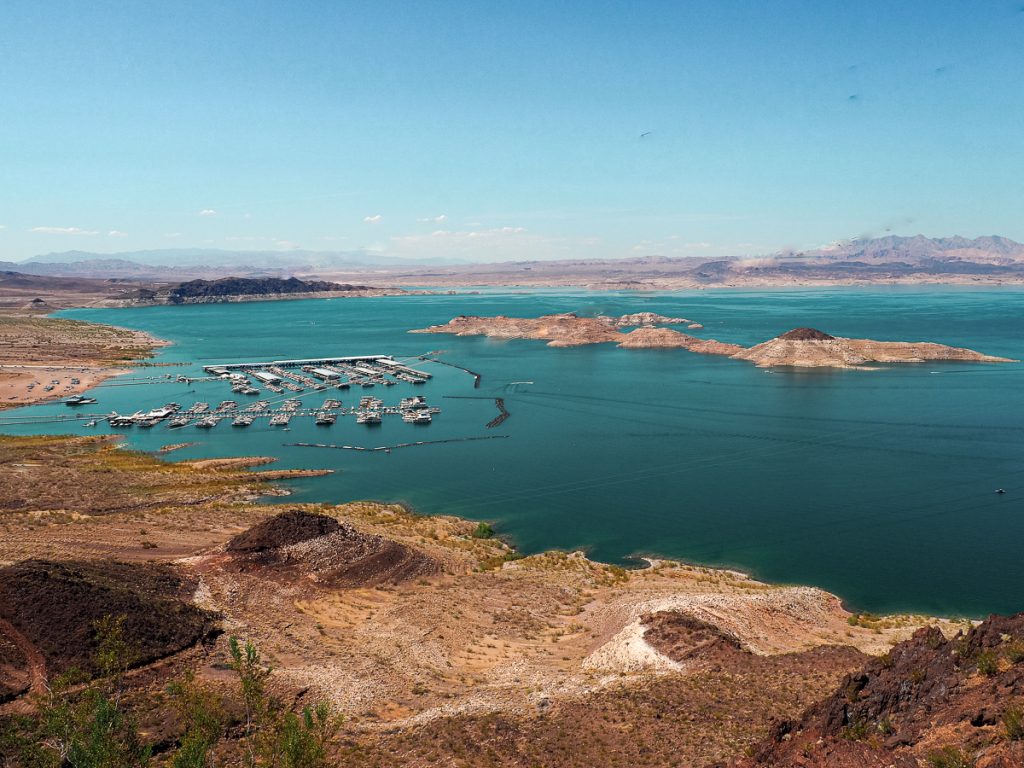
(389, 448)
(476, 376)
(502, 415)
(498, 401)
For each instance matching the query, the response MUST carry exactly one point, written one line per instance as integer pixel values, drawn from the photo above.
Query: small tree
(273, 736)
(252, 675)
(301, 741)
(89, 728)
(202, 713)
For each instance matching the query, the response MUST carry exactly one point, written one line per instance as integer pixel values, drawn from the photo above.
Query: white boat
(368, 417)
(79, 400)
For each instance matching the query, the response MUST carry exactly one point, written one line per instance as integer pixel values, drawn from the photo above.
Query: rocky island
(235, 289)
(798, 348)
(811, 348)
(570, 330)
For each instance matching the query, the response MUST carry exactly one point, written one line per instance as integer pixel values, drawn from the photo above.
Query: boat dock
(316, 373)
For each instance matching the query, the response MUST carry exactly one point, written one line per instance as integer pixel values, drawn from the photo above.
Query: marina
(289, 379)
(369, 411)
(315, 374)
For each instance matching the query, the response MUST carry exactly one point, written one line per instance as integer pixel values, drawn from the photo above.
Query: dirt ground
(45, 358)
(490, 659)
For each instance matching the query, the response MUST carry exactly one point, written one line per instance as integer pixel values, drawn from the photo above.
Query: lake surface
(876, 485)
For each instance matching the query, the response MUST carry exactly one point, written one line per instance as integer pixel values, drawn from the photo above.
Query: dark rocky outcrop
(683, 637)
(299, 545)
(806, 334)
(245, 286)
(281, 530)
(49, 611)
(927, 694)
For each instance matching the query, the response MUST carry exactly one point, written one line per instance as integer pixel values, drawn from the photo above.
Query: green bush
(950, 757)
(483, 531)
(1013, 719)
(988, 663)
(1015, 651)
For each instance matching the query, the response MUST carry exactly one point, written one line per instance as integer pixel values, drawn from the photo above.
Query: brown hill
(282, 530)
(303, 545)
(928, 699)
(48, 613)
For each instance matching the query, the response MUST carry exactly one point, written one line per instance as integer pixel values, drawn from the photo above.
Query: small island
(811, 348)
(798, 348)
(239, 289)
(570, 330)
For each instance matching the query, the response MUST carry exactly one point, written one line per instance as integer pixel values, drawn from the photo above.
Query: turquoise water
(875, 485)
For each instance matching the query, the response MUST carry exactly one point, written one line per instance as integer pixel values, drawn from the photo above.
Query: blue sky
(494, 131)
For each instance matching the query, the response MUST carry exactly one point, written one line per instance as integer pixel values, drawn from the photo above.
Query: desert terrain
(436, 642)
(45, 358)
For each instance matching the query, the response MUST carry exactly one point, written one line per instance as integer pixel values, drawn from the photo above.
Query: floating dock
(219, 369)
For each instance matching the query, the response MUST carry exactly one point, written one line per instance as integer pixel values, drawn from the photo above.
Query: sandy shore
(46, 359)
(26, 384)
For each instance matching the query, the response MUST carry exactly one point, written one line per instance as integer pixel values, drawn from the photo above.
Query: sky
(507, 130)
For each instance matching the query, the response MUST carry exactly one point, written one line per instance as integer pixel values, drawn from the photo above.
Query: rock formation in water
(666, 338)
(643, 319)
(571, 330)
(799, 348)
(811, 348)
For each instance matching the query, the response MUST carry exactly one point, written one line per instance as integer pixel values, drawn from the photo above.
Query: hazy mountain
(918, 249)
(189, 258)
(869, 259)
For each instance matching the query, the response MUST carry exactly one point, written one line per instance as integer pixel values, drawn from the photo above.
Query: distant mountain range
(177, 263)
(880, 250)
(877, 259)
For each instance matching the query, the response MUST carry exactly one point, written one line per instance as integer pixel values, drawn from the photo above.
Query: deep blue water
(875, 485)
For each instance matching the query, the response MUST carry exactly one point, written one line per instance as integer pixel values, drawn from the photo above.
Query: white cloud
(372, 219)
(3, 226)
(116, 233)
(172, 234)
(287, 244)
(495, 244)
(207, 212)
(63, 231)
(434, 219)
